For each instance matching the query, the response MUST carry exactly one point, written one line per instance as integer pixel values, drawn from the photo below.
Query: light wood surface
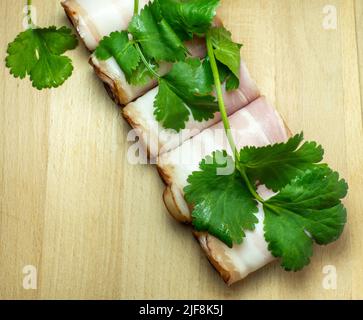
(95, 226)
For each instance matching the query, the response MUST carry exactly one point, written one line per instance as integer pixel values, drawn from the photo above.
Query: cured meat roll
(94, 19)
(118, 87)
(235, 264)
(258, 125)
(157, 140)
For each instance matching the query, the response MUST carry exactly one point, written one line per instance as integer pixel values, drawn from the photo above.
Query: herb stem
(227, 126)
(29, 13)
(272, 207)
(249, 185)
(146, 63)
(222, 107)
(136, 7)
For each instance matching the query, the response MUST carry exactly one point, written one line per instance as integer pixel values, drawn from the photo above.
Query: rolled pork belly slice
(94, 19)
(258, 124)
(157, 140)
(116, 84)
(236, 263)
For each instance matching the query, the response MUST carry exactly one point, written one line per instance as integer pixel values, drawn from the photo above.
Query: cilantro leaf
(188, 17)
(223, 205)
(183, 91)
(141, 75)
(38, 53)
(118, 45)
(156, 37)
(170, 110)
(232, 82)
(306, 210)
(227, 52)
(123, 50)
(192, 77)
(276, 165)
(227, 76)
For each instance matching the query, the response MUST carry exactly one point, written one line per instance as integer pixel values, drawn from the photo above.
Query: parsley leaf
(123, 50)
(276, 165)
(223, 205)
(170, 110)
(38, 53)
(306, 210)
(189, 17)
(227, 76)
(232, 82)
(227, 52)
(183, 91)
(156, 37)
(118, 45)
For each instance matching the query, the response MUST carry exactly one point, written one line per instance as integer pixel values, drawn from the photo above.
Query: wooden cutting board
(94, 226)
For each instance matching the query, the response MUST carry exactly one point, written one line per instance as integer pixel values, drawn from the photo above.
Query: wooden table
(95, 226)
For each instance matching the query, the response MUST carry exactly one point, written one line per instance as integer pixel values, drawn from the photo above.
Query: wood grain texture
(95, 226)
(359, 34)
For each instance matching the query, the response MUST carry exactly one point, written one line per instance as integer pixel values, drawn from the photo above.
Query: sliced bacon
(258, 124)
(158, 140)
(234, 264)
(120, 90)
(95, 19)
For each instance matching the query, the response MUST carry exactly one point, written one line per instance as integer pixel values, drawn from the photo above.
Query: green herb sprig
(307, 207)
(38, 52)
